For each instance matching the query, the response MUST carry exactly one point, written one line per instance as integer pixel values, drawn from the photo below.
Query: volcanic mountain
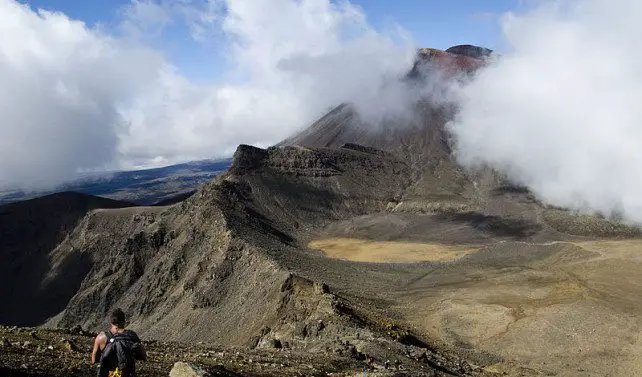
(462, 273)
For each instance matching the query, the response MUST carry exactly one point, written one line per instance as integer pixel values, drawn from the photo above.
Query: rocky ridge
(230, 264)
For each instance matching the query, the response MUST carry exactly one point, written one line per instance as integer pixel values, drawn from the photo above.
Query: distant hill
(143, 187)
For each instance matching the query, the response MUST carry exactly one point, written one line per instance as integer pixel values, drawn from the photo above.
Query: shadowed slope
(29, 231)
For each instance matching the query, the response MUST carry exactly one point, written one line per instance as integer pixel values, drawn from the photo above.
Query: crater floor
(558, 308)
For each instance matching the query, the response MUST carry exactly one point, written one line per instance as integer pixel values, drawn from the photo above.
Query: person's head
(117, 319)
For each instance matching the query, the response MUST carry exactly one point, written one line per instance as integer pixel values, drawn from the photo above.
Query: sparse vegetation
(588, 225)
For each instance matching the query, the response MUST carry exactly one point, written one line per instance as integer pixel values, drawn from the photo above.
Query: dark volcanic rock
(445, 63)
(470, 50)
(247, 157)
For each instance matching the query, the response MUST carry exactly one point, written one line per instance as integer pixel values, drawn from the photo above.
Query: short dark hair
(117, 317)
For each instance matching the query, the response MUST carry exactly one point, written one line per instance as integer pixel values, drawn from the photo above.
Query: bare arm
(99, 343)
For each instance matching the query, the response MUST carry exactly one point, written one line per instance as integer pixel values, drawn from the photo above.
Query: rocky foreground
(48, 352)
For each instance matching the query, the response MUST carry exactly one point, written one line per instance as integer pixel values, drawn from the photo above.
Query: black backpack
(119, 352)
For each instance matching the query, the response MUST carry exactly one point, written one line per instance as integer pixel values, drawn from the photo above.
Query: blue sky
(438, 24)
(441, 24)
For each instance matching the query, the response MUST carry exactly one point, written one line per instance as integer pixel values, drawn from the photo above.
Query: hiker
(117, 349)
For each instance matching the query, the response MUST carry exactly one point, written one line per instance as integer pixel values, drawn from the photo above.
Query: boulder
(321, 288)
(77, 330)
(69, 346)
(275, 343)
(182, 369)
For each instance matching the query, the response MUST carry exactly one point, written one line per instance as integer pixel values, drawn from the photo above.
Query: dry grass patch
(389, 251)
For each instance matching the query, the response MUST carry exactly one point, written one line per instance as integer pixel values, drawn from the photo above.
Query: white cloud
(560, 112)
(298, 58)
(201, 16)
(75, 98)
(145, 18)
(148, 19)
(61, 85)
